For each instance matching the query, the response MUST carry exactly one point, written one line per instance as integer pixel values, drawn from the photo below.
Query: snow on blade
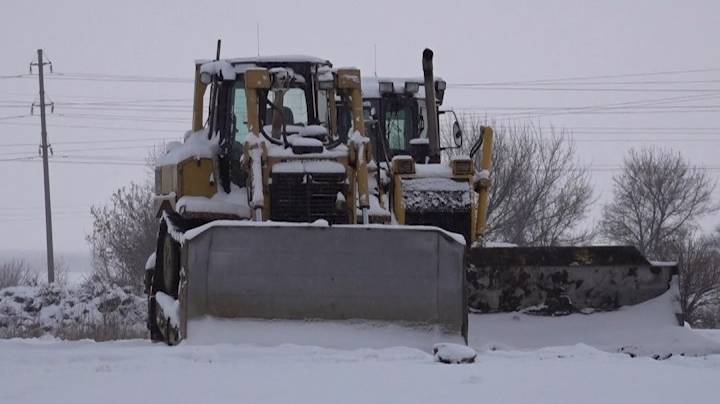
(170, 307)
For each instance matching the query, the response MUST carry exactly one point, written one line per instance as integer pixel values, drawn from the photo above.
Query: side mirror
(457, 134)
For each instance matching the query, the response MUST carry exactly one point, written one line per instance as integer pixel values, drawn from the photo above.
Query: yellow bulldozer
(273, 208)
(403, 116)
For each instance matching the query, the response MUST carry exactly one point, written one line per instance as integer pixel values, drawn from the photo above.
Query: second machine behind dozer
(266, 212)
(423, 189)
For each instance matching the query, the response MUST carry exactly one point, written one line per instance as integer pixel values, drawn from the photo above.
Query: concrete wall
(562, 279)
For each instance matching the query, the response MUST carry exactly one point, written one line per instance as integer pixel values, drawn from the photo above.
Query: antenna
(257, 34)
(375, 57)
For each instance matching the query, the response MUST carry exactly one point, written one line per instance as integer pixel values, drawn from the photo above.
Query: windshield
(240, 111)
(294, 106)
(294, 111)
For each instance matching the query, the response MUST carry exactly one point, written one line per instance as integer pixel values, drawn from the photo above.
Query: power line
(124, 140)
(142, 118)
(571, 89)
(596, 77)
(60, 125)
(3, 118)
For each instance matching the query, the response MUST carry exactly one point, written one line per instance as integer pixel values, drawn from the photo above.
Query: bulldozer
(268, 211)
(403, 117)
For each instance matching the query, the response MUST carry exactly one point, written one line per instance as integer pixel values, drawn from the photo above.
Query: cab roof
(268, 60)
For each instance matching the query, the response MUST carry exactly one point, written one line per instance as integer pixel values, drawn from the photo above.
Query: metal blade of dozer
(354, 286)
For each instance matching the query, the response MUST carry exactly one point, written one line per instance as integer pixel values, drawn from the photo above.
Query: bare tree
(539, 196)
(698, 261)
(657, 196)
(17, 272)
(123, 236)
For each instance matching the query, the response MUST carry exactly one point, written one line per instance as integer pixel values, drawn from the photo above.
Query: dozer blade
(404, 276)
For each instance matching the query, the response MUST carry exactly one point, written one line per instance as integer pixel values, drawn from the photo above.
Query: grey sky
(474, 42)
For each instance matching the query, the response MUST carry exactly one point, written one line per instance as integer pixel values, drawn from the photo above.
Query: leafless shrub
(123, 236)
(657, 196)
(698, 259)
(109, 330)
(17, 272)
(539, 195)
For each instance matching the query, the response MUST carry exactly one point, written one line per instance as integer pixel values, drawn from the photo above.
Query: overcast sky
(101, 129)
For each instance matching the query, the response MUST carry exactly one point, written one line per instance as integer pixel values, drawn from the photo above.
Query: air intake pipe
(433, 127)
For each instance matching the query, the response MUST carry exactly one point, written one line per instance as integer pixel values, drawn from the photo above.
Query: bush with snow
(92, 310)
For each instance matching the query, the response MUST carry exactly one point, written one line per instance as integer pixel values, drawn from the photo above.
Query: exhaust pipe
(433, 127)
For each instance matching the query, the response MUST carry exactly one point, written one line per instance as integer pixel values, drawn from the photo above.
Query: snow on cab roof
(273, 59)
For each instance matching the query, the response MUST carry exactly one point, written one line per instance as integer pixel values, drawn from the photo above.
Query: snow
(170, 307)
(220, 68)
(196, 145)
(454, 353)
(325, 73)
(52, 308)
(646, 329)
(420, 140)
(376, 209)
(436, 193)
(498, 244)
(520, 359)
(258, 197)
(233, 203)
(281, 152)
(433, 170)
(150, 263)
(192, 233)
(51, 371)
(296, 140)
(434, 184)
(273, 59)
(482, 175)
(663, 263)
(313, 131)
(288, 128)
(308, 166)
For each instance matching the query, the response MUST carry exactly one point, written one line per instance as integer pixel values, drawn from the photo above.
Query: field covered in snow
(38, 371)
(595, 358)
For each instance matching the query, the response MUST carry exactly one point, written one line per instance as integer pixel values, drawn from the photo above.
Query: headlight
(326, 84)
(412, 87)
(386, 87)
(205, 78)
(462, 166)
(403, 165)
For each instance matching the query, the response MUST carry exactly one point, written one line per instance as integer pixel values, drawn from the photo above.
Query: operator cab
(395, 108)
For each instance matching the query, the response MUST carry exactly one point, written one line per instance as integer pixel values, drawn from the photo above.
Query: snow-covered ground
(521, 359)
(44, 371)
(646, 329)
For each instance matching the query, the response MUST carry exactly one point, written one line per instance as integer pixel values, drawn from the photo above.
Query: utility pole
(46, 170)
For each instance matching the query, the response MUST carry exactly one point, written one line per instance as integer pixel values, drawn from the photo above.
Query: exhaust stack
(433, 127)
